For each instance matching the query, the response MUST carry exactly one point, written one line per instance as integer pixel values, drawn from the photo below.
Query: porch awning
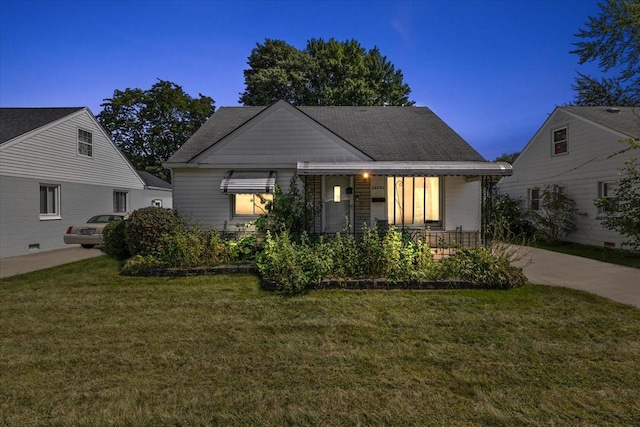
(248, 182)
(435, 168)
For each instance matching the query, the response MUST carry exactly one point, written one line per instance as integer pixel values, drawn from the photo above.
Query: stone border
(379, 284)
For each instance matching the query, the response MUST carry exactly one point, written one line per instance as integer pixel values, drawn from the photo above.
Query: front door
(337, 203)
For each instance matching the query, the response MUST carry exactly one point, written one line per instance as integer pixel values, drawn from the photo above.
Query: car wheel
(87, 246)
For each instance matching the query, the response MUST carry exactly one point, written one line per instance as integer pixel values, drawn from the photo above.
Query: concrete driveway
(618, 283)
(46, 259)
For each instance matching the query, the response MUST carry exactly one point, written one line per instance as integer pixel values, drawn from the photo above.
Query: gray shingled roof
(383, 133)
(621, 119)
(18, 121)
(151, 180)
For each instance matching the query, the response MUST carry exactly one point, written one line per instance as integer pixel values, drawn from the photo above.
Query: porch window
(413, 200)
(250, 204)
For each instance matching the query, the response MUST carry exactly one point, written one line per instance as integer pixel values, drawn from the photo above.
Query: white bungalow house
(573, 151)
(58, 167)
(395, 165)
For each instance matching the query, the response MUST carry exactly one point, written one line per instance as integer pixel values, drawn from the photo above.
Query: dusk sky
(493, 70)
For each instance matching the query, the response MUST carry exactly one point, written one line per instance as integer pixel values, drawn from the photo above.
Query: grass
(81, 345)
(614, 256)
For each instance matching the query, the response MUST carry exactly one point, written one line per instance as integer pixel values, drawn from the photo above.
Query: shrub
(556, 217)
(345, 252)
(113, 241)
(294, 267)
(140, 265)
(483, 267)
(146, 228)
(290, 211)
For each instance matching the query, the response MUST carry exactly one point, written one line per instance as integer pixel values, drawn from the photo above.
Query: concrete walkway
(46, 259)
(618, 283)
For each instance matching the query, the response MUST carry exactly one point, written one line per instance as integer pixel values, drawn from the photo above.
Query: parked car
(90, 234)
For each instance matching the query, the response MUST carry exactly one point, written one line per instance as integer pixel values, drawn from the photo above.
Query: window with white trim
(607, 191)
(250, 204)
(120, 201)
(414, 200)
(85, 143)
(534, 199)
(49, 201)
(559, 141)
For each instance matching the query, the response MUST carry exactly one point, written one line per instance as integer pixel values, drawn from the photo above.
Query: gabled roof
(622, 119)
(382, 133)
(151, 180)
(18, 121)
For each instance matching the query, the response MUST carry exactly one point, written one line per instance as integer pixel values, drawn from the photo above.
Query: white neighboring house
(395, 165)
(573, 150)
(58, 167)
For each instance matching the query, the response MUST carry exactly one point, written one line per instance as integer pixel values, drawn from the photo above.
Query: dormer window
(560, 141)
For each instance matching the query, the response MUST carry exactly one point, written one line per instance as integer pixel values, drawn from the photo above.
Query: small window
(156, 203)
(607, 191)
(336, 193)
(49, 201)
(85, 143)
(560, 141)
(250, 204)
(534, 199)
(119, 201)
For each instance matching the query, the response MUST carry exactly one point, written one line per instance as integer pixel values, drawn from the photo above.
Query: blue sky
(493, 70)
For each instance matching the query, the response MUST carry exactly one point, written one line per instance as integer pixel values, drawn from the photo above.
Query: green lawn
(613, 256)
(81, 345)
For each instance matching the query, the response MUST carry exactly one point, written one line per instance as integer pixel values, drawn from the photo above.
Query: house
(572, 151)
(58, 167)
(395, 165)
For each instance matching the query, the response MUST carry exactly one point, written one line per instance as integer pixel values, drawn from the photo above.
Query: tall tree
(613, 40)
(150, 125)
(325, 73)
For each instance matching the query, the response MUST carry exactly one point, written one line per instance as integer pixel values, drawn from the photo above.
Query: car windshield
(105, 218)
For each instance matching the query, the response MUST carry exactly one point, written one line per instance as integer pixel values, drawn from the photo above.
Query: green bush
(113, 240)
(294, 267)
(483, 267)
(146, 228)
(140, 265)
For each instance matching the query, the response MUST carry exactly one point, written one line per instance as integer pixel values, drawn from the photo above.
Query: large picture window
(413, 200)
(250, 204)
(49, 201)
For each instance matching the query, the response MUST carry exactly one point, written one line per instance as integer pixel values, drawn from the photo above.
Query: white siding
(20, 224)
(585, 165)
(284, 136)
(462, 204)
(198, 198)
(52, 154)
(49, 156)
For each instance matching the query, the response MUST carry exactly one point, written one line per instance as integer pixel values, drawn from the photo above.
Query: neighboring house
(395, 165)
(573, 152)
(59, 167)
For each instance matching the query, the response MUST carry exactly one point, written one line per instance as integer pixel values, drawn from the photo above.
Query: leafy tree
(325, 73)
(556, 217)
(623, 213)
(150, 125)
(613, 39)
(507, 157)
